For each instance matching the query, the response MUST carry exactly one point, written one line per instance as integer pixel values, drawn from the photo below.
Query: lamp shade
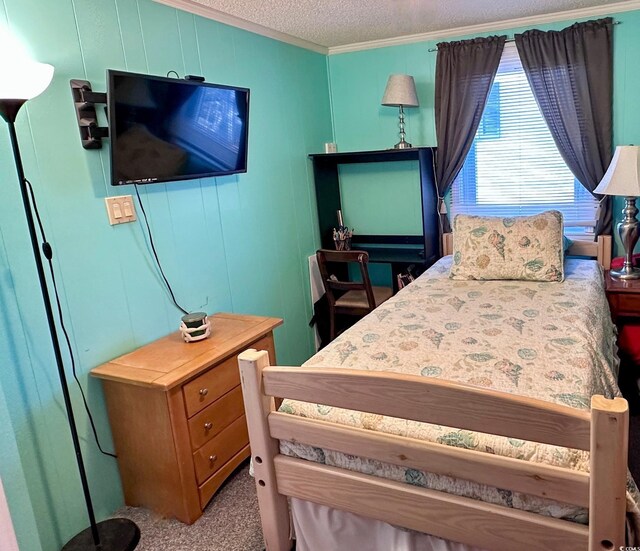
(401, 90)
(623, 175)
(24, 80)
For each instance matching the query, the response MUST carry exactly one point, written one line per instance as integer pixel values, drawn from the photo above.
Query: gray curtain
(571, 76)
(464, 74)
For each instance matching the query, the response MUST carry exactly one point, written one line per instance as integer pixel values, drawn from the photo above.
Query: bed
(389, 422)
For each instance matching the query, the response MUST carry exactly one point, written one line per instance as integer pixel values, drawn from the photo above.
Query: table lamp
(20, 81)
(623, 178)
(401, 92)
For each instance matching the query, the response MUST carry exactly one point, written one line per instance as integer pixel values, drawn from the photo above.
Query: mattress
(550, 341)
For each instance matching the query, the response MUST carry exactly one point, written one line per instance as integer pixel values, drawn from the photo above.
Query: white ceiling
(333, 24)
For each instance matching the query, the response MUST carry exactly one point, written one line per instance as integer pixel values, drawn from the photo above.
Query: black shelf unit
(394, 249)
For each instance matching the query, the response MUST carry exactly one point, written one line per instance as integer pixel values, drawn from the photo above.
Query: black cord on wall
(48, 253)
(155, 253)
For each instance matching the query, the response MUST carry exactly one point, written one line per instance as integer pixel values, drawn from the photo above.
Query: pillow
(522, 247)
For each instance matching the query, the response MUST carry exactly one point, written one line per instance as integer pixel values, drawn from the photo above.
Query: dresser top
(615, 285)
(170, 361)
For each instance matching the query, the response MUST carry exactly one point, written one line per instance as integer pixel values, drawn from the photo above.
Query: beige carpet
(231, 522)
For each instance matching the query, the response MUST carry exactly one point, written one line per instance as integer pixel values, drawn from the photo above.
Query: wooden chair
(359, 298)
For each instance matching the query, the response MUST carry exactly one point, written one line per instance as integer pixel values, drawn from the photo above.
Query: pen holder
(343, 244)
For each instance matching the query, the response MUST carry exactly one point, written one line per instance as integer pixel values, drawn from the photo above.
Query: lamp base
(402, 145)
(633, 273)
(629, 231)
(116, 534)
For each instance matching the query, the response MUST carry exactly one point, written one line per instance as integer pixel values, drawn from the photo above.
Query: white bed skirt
(320, 528)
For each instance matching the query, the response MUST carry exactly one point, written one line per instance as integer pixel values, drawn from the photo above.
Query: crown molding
(618, 7)
(211, 13)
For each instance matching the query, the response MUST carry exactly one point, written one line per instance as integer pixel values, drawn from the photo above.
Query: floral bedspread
(551, 341)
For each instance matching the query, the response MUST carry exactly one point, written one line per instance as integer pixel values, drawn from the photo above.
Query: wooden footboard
(603, 431)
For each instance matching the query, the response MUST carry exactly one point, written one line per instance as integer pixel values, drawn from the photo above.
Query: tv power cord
(155, 253)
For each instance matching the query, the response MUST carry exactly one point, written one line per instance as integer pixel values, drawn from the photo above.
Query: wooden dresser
(177, 414)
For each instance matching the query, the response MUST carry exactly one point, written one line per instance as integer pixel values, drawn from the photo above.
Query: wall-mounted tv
(166, 129)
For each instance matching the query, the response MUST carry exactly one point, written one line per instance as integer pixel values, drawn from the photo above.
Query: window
(514, 167)
(490, 123)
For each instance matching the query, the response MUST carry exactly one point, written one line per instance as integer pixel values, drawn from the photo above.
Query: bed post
(604, 251)
(274, 508)
(447, 244)
(608, 477)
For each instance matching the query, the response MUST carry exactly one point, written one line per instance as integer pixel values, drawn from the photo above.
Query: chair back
(327, 256)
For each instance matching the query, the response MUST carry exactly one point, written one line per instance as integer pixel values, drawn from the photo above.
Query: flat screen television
(167, 129)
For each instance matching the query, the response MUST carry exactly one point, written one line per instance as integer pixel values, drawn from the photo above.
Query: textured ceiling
(334, 23)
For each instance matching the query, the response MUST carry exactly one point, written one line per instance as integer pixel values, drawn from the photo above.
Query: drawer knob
(204, 391)
(208, 426)
(213, 458)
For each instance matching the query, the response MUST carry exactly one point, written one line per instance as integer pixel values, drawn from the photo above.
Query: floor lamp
(18, 84)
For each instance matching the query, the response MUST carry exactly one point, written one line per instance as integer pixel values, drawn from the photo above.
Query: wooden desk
(400, 258)
(326, 171)
(393, 255)
(177, 414)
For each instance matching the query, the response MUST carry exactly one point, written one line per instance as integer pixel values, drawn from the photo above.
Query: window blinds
(514, 167)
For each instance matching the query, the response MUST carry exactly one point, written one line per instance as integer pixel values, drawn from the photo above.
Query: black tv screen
(166, 129)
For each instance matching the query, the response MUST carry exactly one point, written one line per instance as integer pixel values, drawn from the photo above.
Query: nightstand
(624, 299)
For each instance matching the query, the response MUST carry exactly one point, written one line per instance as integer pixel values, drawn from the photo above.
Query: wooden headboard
(600, 249)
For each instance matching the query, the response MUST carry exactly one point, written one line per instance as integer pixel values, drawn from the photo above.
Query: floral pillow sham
(521, 247)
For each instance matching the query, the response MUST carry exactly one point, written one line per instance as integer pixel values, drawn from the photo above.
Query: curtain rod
(513, 39)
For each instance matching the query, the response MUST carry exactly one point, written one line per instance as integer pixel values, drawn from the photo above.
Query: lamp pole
(9, 110)
(112, 534)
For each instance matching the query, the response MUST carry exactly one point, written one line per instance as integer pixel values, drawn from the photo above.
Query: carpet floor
(231, 522)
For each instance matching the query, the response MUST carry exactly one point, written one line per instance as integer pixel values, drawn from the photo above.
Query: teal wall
(358, 80)
(236, 243)
(370, 192)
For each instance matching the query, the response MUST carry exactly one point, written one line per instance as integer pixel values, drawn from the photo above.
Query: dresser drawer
(215, 453)
(213, 483)
(214, 418)
(219, 380)
(210, 386)
(625, 304)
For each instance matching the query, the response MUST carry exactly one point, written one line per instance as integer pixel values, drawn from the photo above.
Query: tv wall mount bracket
(85, 99)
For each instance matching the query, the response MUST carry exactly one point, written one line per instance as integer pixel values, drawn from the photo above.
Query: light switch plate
(120, 209)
